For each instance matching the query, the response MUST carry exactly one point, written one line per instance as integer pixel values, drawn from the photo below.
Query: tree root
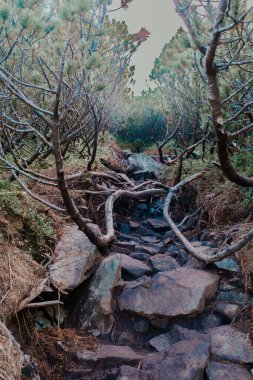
(103, 240)
(219, 255)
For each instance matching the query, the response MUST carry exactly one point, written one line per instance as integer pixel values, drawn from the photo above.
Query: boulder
(169, 294)
(96, 313)
(107, 356)
(228, 310)
(185, 360)
(135, 268)
(221, 371)
(163, 263)
(75, 258)
(230, 344)
(144, 163)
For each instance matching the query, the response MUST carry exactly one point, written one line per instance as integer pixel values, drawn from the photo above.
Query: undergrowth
(23, 222)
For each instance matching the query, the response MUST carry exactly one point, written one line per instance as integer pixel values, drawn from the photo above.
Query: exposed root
(105, 239)
(220, 255)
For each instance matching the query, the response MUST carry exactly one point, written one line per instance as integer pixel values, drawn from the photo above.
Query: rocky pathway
(156, 312)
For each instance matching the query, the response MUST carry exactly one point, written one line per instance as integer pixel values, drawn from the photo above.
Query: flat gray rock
(228, 264)
(185, 360)
(96, 313)
(144, 162)
(169, 294)
(219, 371)
(230, 344)
(75, 257)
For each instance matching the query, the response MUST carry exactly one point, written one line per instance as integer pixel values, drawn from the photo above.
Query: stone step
(182, 291)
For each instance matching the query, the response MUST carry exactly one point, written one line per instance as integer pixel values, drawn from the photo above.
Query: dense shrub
(142, 129)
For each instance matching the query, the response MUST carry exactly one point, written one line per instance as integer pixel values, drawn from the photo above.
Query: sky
(161, 20)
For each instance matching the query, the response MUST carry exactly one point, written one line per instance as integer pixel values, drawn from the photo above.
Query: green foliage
(25, 19)
(93, 62)
(4, 13)
(36, 230)
(243, 162)
(143, 126)
(38, 233)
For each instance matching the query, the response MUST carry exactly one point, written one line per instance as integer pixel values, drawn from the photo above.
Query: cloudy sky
(161, 20)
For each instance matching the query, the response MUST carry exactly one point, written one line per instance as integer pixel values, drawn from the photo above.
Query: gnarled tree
(224, 53)
(61, 68)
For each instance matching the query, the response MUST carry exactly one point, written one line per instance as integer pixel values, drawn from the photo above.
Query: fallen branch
(34, 294)
(220, 255)
(43, 304)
